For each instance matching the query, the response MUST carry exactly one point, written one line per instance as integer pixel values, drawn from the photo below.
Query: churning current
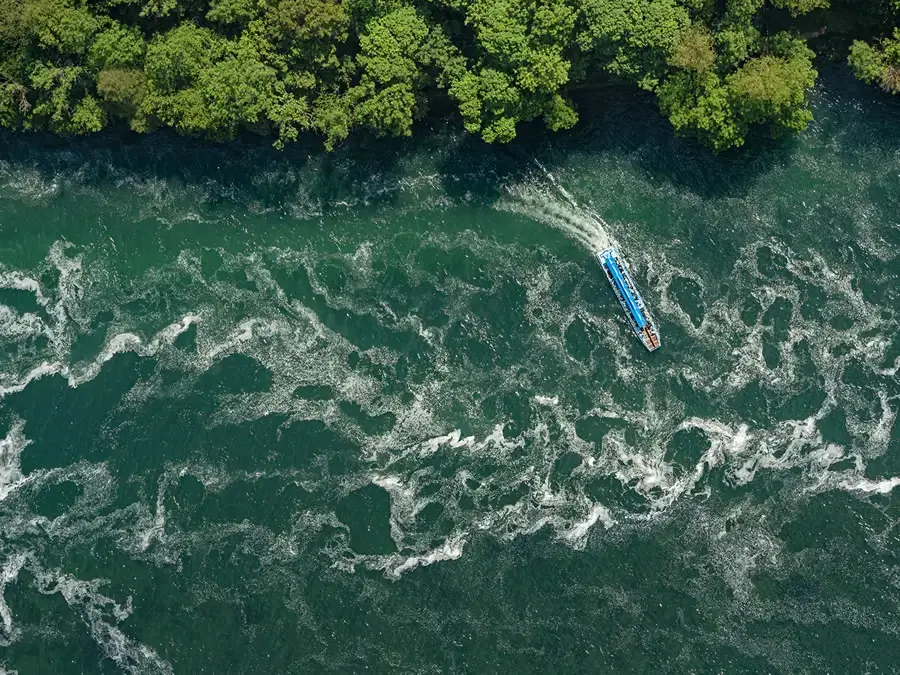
(303, 411)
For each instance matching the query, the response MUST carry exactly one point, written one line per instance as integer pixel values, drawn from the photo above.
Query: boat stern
(649, 336)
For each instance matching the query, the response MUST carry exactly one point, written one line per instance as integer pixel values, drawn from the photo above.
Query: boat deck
(629, 298)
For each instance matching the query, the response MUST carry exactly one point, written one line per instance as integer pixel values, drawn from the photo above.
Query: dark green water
(279, 412)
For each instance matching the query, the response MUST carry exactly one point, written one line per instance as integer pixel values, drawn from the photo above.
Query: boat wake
(539, 199)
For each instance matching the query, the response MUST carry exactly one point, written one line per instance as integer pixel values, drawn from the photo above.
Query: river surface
(379, 409)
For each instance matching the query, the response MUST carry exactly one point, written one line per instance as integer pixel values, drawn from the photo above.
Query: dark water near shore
(283, 412)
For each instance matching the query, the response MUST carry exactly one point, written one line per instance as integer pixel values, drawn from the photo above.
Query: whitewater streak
(582, 223)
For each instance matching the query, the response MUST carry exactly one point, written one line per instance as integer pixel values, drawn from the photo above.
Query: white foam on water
(101, 614)
(155, 529)
(892, 370)
(454, 440)
(879, 433)
(117, 344)
(882, 487)
(404, 505)
(129, 342)
(68, 307)
(8, 574)
(396, 565)
(34, 374)
(576, 535)
(743, 452)
(20, 281)
(17, 327)
(26, 184)
(738, 554)
(241, 336)
(452, 549)
(11, 447)
(661, 273)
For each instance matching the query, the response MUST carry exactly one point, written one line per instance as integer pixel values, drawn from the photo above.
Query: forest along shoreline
(285, 67)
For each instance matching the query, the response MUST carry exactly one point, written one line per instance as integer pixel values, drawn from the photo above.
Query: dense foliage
(282, 67)
(878, 62)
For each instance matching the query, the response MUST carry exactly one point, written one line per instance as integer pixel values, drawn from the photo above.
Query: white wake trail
(575, 220)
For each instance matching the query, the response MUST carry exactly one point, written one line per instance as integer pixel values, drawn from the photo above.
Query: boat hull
(639, 318)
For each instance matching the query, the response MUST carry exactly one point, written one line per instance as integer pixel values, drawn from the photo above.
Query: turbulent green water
(281, 412)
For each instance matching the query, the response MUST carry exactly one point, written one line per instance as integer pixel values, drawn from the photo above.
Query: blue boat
(636, 311)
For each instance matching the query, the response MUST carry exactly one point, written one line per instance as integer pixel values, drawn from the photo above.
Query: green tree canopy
(878, 63)
(214, 68)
